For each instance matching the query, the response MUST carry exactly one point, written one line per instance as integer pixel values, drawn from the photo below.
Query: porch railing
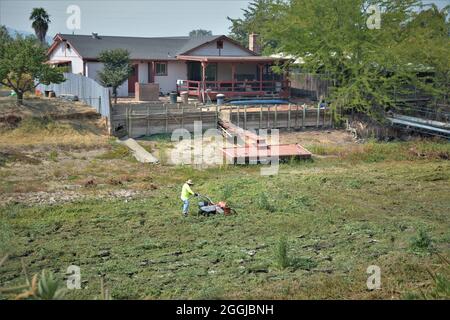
(235, 87)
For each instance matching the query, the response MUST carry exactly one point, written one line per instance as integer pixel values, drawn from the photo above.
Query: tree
(368, 66)
(117, 68)
(4, 34)
(258, 17)
(200, 33)
(41, 20)
(23, 67)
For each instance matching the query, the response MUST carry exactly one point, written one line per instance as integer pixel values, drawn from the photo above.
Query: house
(202, 66)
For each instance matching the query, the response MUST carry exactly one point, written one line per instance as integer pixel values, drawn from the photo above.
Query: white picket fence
(86, 89)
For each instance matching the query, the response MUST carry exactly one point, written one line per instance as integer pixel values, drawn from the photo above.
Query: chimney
(253, 43)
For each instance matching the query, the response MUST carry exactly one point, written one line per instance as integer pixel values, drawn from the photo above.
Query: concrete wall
(68, 54)
(229, 49)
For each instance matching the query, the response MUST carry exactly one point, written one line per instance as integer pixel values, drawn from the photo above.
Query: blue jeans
(185, 206)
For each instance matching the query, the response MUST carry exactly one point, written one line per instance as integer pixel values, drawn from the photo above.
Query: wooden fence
(311, 85)
(86, 89)
(278, 117)
(154, 118)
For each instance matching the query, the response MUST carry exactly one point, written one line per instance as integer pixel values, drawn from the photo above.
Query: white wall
(229, 49)
(175, 70)
(62, 53)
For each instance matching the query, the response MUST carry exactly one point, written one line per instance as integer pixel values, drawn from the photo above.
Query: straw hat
(189, 182)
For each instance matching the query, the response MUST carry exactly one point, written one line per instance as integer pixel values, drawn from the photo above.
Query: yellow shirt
(186, 192)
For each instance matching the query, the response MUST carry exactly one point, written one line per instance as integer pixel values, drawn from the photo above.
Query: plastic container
(220, 99)
(173, 97)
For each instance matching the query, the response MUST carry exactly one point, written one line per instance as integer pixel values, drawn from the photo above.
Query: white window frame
(156, 68)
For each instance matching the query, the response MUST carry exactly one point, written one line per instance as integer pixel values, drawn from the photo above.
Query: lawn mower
(206, 207)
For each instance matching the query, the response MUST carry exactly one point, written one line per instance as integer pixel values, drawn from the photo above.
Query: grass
(43, 131)
(340, 216)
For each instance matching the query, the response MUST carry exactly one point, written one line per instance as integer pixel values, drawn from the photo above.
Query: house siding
(64, 54)
(175, 70)
(229, 49)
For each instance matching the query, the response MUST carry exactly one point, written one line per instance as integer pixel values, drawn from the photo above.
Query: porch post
(204, 65)
(261, 69)
(233, 74)
(153, 71)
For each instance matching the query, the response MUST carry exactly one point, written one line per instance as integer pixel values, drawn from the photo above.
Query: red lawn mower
(206, 207)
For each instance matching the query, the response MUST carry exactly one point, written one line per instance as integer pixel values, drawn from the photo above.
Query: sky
(150, 18)
(142, 18)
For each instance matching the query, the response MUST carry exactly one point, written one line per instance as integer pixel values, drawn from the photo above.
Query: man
(186, 192)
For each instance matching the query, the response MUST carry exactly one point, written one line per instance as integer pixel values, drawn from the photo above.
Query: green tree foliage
(200, 33)
(367, 65)
(4, 34)
(22, 66)
(117, 68)
(41, 20)
(257, 18)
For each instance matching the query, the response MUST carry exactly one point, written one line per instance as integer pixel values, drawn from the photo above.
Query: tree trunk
(115, 95)
(19, 98)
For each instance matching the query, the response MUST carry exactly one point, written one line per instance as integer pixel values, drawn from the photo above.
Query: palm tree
(40, 19)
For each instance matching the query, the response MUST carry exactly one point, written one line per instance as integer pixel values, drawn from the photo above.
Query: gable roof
(159, 48)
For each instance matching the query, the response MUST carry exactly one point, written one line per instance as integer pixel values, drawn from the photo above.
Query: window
(161, 68)
(211, 72)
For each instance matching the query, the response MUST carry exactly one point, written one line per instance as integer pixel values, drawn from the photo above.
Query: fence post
(268, 116)
(182, 116)
(216, 116)
(324, 117)
(245, 117)
(148, 121)
(303, 116)
(260, 116)
(238, 117)
(296, 116)
(276, 116)
(289, 118)
(167, 120)
(318, 115)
